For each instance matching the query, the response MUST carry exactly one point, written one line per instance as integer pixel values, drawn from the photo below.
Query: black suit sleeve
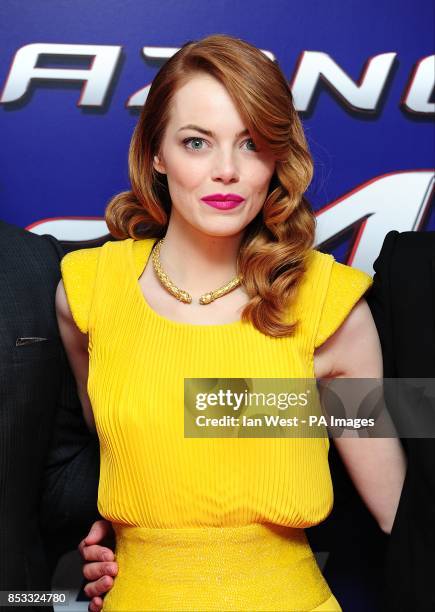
(379, 301)
(400, 270)
(69, 495)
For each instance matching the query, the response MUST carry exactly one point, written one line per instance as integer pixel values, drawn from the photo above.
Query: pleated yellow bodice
(184, 507)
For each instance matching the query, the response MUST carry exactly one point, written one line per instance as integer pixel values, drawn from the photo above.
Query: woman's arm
(377, 466)
(76, 348)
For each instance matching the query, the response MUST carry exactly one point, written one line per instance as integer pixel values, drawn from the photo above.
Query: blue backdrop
(60, 159)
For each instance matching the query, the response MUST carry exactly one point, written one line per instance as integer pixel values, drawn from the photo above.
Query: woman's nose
(225, 168)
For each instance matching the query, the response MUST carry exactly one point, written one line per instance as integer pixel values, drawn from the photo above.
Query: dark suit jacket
(366, 570)
(39, 411)
(402, 302)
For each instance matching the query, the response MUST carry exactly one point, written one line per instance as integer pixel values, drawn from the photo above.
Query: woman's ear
(159, 165)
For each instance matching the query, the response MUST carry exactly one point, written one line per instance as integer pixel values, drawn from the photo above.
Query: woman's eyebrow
(208, 132)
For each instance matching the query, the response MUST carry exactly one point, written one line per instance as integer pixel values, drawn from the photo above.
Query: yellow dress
(202, 524)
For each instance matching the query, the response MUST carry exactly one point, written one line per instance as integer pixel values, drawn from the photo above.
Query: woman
(218, 166)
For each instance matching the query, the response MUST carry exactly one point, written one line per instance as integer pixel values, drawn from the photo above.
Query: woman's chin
(221, 226)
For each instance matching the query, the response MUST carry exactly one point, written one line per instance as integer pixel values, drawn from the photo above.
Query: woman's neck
(197, 262)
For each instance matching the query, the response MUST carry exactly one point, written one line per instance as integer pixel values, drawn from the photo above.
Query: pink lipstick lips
(223, 201)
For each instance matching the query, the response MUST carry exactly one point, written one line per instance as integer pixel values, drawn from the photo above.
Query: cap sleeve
(79, 270)
(345, 287)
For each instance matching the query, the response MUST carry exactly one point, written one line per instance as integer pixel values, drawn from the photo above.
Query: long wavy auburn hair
(275, 244)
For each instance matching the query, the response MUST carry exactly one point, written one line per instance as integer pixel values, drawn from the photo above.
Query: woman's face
(215, 155)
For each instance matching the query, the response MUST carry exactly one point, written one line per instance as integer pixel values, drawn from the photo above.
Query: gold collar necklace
(184, 296)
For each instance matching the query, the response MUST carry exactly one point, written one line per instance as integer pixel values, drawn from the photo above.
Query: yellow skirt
(253, 567)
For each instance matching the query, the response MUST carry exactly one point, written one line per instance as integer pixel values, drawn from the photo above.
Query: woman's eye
(253, 143)
(195, 142)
